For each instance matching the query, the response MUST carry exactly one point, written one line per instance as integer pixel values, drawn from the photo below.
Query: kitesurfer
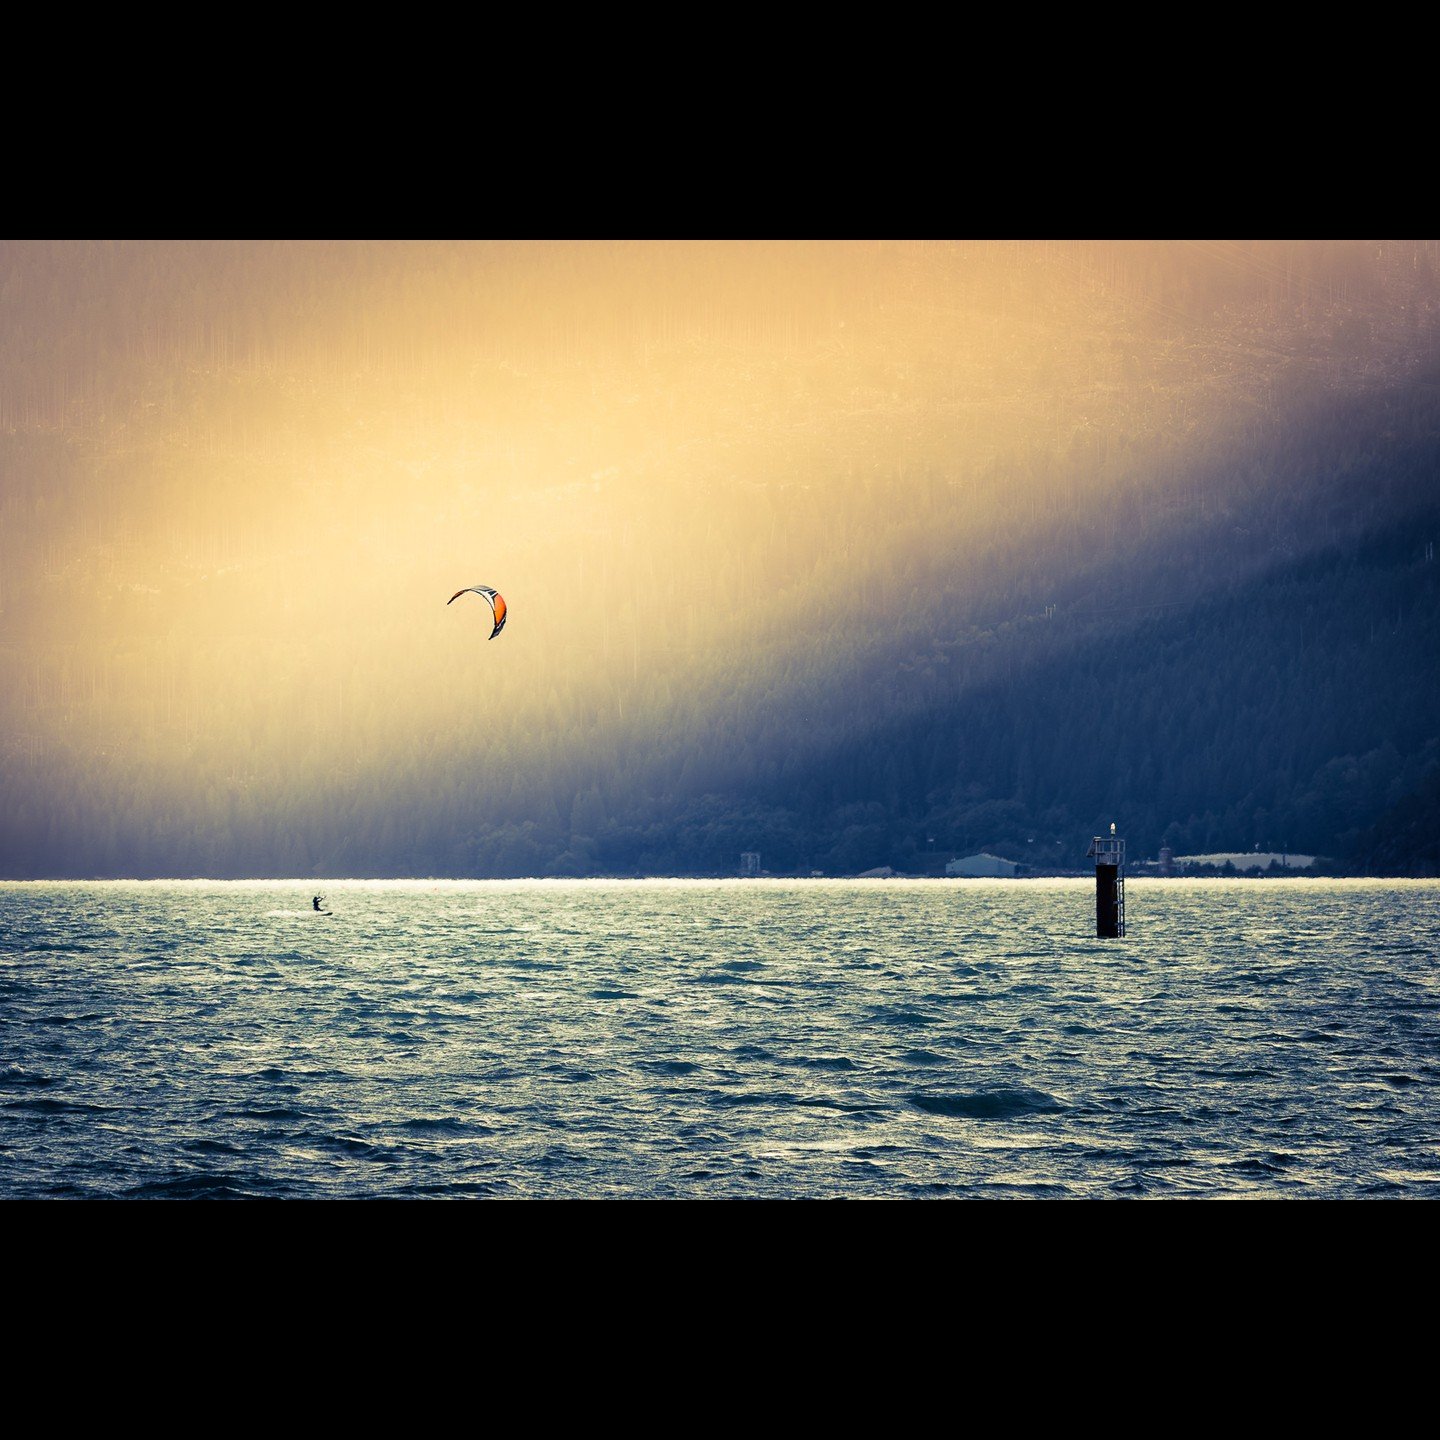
(318, 901)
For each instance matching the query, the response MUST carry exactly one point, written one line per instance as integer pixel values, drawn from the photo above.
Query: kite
(496, 599)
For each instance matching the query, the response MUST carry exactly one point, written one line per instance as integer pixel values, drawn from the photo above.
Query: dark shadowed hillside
(855, 555)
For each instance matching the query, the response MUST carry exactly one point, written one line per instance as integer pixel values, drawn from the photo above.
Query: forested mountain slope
(827, 551)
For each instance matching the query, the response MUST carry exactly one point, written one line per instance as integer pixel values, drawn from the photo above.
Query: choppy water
(712, 1039)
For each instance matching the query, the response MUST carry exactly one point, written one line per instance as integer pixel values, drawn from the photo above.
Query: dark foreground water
(740, 1038)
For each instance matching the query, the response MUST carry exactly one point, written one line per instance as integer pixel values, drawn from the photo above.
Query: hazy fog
(238, 482)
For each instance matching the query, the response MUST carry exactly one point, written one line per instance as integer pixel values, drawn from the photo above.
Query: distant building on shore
(984, 866)
(750, 862)
(1242, 860)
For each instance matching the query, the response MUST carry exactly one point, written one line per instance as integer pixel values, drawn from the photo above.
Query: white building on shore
(1244, 860)
(984, 866)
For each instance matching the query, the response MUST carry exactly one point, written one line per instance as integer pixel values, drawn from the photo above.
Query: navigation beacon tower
(1109, 856)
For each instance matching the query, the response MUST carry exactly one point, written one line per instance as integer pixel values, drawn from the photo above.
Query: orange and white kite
(496, 599)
